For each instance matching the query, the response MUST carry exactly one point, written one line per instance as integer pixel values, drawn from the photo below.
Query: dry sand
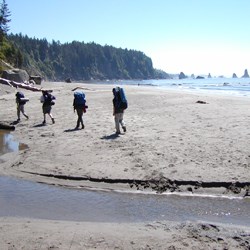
(172, 143)
(41, 234)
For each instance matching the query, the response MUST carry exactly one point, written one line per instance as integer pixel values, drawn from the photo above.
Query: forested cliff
(78, 60)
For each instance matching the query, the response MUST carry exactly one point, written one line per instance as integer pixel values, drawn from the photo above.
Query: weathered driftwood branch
(80, 88)
(21, 85)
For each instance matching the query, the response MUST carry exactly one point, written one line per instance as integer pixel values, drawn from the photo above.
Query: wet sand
(175, 141)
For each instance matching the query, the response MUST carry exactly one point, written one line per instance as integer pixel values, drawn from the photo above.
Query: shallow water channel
(20, 198)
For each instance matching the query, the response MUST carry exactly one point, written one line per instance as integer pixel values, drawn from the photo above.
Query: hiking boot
(27, 117)
(53, 120)
(117, 132)
(44, 122)
(124, 129)
(83, 126)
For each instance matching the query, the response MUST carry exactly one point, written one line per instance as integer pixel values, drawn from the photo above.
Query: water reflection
(8, 143)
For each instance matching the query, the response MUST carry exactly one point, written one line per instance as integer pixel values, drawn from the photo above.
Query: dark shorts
(46, 109)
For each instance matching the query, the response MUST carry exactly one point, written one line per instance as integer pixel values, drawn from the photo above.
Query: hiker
(119, 105)
(79, 105)
(48, 101)
(21, 101)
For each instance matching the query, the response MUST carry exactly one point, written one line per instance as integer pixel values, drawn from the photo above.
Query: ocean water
(222, 86)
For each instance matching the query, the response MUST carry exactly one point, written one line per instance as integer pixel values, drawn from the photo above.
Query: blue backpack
(19, 95)
(79, 99)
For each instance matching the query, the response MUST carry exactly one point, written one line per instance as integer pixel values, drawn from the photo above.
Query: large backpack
(79, 99)
(19, 95)
(120, 98)
(48, 99)
(21, 98)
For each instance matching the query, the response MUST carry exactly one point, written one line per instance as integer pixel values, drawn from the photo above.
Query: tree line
(79, 60)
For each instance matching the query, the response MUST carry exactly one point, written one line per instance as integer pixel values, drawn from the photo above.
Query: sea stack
(182, 76)
(245, 74)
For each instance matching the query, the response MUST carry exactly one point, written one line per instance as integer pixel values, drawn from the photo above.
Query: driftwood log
(80, 88)
(21, 85)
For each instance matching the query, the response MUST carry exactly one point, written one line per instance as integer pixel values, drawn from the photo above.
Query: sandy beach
(176, 141)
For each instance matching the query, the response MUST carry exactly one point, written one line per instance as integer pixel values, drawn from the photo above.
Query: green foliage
(80, 61)
(160, 74)
(4, 20)
(10, 53)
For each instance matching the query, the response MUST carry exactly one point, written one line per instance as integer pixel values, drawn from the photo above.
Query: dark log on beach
(21, 85)
(6, 126)
(80, 88)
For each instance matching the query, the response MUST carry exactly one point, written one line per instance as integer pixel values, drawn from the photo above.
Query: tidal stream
(28, 199)
(20, 198)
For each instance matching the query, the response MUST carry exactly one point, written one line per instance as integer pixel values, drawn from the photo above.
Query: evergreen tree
(4, 19)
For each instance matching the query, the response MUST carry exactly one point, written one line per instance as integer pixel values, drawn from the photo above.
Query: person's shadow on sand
(39, 125)
(72, 130)
(110, 137)
(15, 122)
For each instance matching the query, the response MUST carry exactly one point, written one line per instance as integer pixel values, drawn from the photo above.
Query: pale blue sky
(193, 36)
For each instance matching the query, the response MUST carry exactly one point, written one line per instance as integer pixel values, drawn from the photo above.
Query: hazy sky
(193, 36)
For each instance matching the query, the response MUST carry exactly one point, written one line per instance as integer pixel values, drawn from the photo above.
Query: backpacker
(79, 99)
(20, 98)
(47, 99)
(120, 98)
